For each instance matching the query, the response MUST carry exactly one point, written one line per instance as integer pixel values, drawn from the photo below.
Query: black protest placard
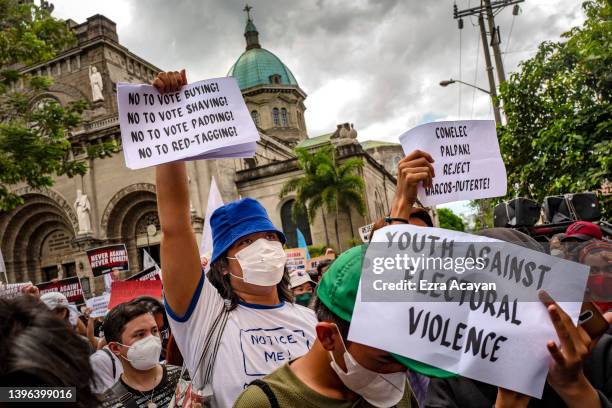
(69, 287)
(111, 258)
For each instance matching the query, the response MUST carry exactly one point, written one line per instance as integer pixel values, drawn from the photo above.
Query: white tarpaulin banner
(204, 120)
(495, 334)
(467, 160)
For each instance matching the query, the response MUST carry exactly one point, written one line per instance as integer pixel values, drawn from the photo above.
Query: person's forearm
(181, 270)
(580, 394)
(172, 197)
(400, 208)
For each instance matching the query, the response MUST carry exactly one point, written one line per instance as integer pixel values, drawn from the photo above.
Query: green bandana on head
(338, 291)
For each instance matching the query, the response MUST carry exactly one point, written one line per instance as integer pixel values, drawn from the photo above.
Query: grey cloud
(397, 50)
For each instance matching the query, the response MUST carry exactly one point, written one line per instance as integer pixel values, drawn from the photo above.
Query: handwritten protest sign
(311, 265)
(296, 259)
(124, 291)
(112, 258)
(99, 305)
(151, 273)
(204, 120)
(364, 232)
(12, 290)
(69, 287)
(464, 303)
(467, 160)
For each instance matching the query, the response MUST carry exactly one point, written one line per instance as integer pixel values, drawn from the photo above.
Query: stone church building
(47, 236)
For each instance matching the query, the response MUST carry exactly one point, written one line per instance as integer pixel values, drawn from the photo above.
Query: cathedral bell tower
(270, 90)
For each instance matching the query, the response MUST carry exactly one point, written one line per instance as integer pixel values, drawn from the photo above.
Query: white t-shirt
(257, 340)
(102, 366)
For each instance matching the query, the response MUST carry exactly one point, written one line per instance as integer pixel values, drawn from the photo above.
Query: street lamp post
(496, 111)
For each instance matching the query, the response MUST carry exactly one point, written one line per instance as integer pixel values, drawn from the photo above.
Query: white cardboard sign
(512, 340)
(364, 232)
(99, 305)
(467, 160)
(204, 120)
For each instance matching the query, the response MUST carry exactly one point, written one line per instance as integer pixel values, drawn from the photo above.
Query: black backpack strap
(268, 391)
(110, 355)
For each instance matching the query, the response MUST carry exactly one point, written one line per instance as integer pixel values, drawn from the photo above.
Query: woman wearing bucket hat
(242, 310)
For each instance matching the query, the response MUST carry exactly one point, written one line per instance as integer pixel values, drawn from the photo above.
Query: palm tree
(326, 185)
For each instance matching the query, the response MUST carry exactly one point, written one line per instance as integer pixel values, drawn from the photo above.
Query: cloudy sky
(376, 63)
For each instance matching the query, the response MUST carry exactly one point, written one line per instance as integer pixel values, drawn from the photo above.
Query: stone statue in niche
(97, 86)
(83, 210)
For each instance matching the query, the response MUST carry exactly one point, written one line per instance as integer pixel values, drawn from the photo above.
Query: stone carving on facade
(146, 187)
(83, 210)
(97, 86)
(55, 197)
(345, 134)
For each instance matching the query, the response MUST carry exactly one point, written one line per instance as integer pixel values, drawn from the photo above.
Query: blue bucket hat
(235, 220)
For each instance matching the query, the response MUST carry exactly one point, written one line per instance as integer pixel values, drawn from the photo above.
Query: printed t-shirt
(122, 395)
(257, 339)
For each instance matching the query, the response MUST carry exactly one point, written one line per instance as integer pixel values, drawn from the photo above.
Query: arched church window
(299, 120)
(290, 227)
(275, 118)
(284, 117)
(275, 79)
(255, 116)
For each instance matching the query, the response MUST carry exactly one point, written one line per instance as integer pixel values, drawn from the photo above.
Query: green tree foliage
(326, 185)
(559, 113)
(34, 145)
(450, 220)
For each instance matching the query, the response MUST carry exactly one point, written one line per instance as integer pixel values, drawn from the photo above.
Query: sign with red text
(112, 258)
(467, 160)
(124, 291)
(69, 287)
(296, 259)
(204, 120)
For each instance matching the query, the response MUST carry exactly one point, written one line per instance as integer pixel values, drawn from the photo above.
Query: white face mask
(380, 390)
(144, 354)
(262, 262)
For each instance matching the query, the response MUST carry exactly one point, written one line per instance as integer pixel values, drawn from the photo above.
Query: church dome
(258, 66)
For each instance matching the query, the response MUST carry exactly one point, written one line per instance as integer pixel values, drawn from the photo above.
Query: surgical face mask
(144, 354)
(380, 390)
(262, 262)
(303, 299)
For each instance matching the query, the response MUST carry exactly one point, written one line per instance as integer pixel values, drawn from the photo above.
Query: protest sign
(364, 232)
(124, 291)
(69, 287)
(151, 273)
(203, 120)
(464, 303)
(12, 290)
(112, 258)
(98, 305)
(314, 262)
(296, 259)
(467, 160)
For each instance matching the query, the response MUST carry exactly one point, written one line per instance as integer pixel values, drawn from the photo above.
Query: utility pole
(488, 6)
(495, 41)
(487, 57)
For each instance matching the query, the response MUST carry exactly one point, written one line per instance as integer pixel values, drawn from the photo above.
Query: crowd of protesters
(203, 345)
